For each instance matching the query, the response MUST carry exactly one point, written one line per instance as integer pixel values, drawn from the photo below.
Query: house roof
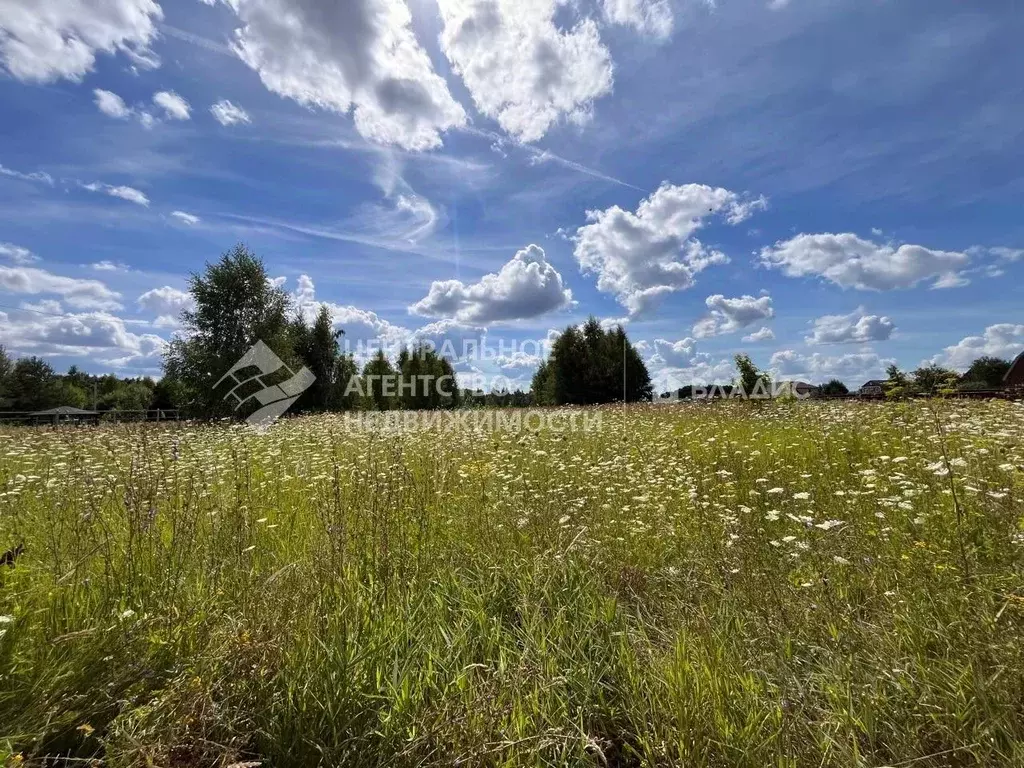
(1016, 368)
(873, 383)
(64, 410)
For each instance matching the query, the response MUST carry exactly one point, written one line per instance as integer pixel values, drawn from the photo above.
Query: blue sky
(827, 185)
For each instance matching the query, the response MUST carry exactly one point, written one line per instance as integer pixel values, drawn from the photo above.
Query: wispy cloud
(38, 176)
(130, 194)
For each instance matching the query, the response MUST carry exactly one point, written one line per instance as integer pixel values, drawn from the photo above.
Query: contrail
(198, 40)
(544, 156)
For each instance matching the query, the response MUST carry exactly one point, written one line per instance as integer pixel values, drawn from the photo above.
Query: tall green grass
(721, 585)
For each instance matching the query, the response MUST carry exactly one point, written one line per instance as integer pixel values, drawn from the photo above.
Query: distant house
(1014, 377)
(794, 389)
(872, 388)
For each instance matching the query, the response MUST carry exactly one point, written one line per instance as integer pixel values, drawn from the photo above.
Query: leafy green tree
(753, 381)
(169, 394)
(897, 384)
(934, 379)
(34, 386)
(989, 371)
(78, 377)
(833, 387)
(236, 305)
(69, 393)
(128, 396)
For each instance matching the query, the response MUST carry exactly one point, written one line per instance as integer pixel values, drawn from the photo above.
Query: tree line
(235, 304)
(985, 373)
(31, 384)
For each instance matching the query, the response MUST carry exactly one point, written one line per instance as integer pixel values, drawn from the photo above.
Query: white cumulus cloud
(672, 353)
(854, 368)
(854, 328)
(174, 107)
(527, 286)
(165, 301)
(520, 68)
(699, 370)
(17, 254)
(852, 262)
(46, 40)
(358, 56)
(1000, 340)
(765, 334)
(82, 294)
(111, 105)
(359, 325)
(731, 315)
(649, 17)
(640, 257)
(94, 336)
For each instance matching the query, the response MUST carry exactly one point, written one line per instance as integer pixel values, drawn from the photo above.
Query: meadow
(723, 584)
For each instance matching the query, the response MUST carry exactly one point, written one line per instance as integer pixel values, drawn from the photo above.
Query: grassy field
(727, 584)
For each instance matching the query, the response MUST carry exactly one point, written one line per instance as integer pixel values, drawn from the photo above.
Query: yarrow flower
(828, 525)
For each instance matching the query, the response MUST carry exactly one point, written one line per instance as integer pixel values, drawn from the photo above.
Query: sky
(829, 186)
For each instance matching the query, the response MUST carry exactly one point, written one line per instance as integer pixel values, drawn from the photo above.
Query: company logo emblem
(273, 399)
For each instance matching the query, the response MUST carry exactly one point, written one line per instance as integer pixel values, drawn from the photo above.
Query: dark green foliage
(426, 381)
(988, 371)
(344, 397)
(30, 384)
(833, 387)
(933, 379)
(317, 348)
(897, 384)
(6, 366)
(752, 380)
(496, 398)
(236, 305)
(33, 385)
(169, 393)
(379, 392)
(592, 366)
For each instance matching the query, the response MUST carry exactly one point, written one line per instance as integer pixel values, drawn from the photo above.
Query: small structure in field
(64, 414)
(1014, 378)
(872, 388)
